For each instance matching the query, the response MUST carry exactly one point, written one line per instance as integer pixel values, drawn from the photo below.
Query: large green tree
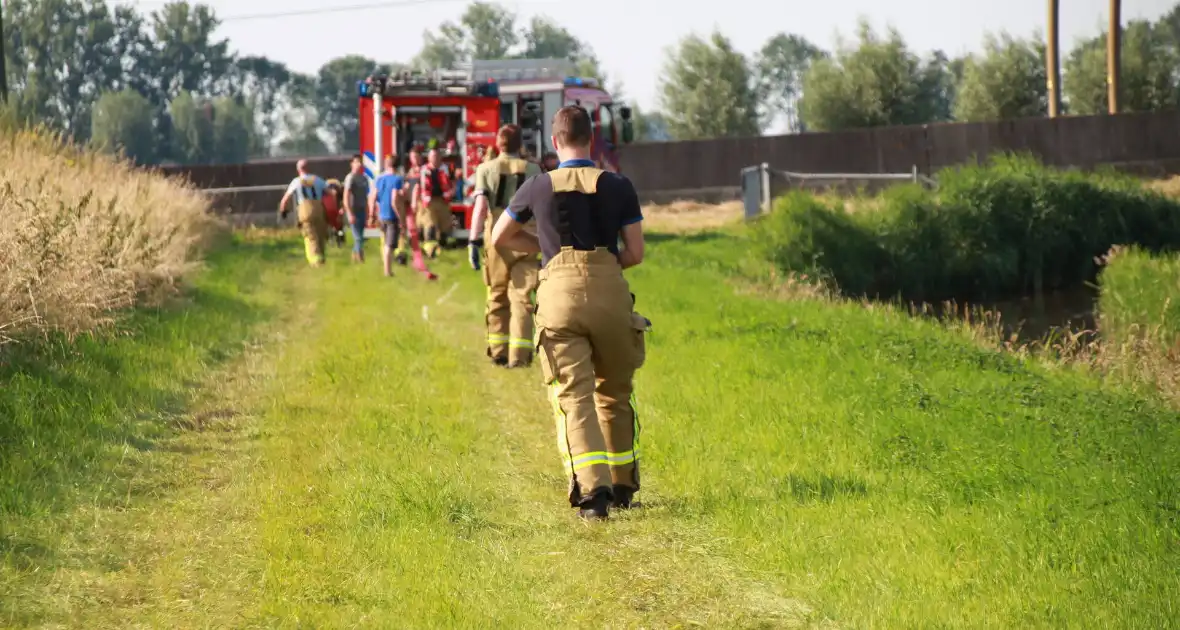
(1148, 75)
(1008, 80)
(444, 49)
(490, 29)
(486, 30)
(233, 130)
(122, 122)
(876, 81)
(780, 66)
(940, 80)
(187, 56)
(268, 89)
(301, 135)
(62, 54)
(650, 126)
(545, 39)
(335, 98)
(706, 90)
(193, 140)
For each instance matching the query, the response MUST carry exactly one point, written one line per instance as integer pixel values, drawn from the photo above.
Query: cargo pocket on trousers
(640, 326)
(548, 368)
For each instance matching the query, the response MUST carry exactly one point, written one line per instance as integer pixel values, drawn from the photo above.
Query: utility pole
(3, 59)
(1052, 61)
(1113, 48)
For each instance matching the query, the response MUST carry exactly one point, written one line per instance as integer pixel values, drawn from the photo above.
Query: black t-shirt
(595, 218)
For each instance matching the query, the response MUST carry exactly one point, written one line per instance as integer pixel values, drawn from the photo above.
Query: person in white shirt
(308, 190)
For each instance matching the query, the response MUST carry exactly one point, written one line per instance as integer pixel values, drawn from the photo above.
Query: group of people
(417, 194)
(553, 233)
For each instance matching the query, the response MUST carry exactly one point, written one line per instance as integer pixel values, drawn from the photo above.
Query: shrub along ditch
(1008, 227)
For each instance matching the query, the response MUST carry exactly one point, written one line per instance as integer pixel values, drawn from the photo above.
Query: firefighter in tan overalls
(308, 190)
(510, 276)
(589, 339)
(435, 191)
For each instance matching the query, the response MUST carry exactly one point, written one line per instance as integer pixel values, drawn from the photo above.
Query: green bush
(1140, 299)
(1011, 226)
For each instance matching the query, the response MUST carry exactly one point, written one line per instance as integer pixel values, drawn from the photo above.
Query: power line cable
(321, 11)
(391, 4)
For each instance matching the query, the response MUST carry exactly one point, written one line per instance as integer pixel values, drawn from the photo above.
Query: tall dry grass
(85, 234)
(685, 217)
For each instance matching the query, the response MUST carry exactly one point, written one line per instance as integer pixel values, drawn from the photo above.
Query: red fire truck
(459, 112)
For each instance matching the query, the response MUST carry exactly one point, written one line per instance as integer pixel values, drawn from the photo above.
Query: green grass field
(327, 448)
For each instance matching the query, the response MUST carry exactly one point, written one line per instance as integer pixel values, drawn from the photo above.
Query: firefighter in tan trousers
(435, 191)
(511, 277)
(589, 339)
(308, 190)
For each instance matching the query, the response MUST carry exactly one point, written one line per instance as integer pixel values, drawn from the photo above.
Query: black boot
(500, 361)
(622, 497)
(595, 507)
(521, 363)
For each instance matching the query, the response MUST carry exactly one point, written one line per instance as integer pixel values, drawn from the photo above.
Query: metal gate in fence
(757, 194)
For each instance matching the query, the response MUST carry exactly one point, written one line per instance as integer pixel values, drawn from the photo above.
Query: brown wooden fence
(1147, 143)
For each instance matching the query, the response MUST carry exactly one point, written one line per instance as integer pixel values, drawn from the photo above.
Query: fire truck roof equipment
(505, 70)
(436, 83)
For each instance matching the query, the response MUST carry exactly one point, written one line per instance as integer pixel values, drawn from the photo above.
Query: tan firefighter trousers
(436, 217)
(511, 277)
(590, 342)
(314, 225)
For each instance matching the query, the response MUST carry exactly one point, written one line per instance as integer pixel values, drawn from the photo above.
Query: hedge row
(1008, 227)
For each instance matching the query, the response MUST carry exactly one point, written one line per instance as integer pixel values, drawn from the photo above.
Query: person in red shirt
(413, 176)
(332, 211)
(436, 191)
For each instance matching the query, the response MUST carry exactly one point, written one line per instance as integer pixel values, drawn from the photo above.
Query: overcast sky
(630, 36)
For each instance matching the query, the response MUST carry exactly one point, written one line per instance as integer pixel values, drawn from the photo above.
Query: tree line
(708, 89)
(162, 87)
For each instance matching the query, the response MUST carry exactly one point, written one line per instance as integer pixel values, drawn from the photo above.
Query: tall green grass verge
(1140, 299)
(1139, 320)
(1010, 226)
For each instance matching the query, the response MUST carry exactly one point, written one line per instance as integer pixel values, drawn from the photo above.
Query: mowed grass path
(338, 454)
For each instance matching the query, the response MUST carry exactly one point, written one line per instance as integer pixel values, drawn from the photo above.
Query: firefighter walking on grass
(589, 339)
(435, 192)
(308, 190)
(510, 276)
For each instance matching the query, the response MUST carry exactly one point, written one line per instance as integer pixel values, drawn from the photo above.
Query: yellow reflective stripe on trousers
(622, 459)
(562, 441)
(497, 340)
(516, 342)
(586, 460)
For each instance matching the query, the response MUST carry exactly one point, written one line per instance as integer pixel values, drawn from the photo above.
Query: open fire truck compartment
(535, 88)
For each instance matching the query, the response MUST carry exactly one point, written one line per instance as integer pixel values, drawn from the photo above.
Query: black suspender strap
(502, 189)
